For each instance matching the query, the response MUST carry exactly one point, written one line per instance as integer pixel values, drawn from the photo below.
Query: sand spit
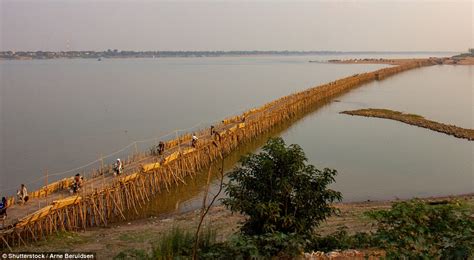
(415, 120)
(441, 61)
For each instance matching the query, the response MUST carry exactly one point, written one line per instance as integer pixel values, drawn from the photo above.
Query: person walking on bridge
(3, 210)
(194, 140)
(161, 148)
(22, 194)
(118, 167)
(77, 184)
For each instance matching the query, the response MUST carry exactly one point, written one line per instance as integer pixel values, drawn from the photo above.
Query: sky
(370, 25)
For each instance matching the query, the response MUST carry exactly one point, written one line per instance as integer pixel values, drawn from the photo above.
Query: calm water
(61, 114)
(384, 159)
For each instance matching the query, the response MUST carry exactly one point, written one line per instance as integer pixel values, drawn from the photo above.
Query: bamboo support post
(46, 185)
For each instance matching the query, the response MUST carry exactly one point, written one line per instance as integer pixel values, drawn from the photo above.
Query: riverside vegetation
(285, 199)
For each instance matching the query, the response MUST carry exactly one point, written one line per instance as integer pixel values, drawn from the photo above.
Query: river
(61, 114)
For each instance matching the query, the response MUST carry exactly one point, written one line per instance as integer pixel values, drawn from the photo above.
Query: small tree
(280, 192)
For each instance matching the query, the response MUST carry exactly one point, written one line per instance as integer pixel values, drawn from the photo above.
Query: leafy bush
(415, 229)
(411, 230)
(280, 192)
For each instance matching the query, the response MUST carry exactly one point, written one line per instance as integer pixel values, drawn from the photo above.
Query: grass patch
(176, 243)
(414, 115)
(179, 243)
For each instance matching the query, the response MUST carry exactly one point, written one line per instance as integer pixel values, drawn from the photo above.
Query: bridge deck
(16, 212)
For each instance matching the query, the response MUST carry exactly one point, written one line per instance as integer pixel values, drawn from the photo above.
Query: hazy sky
(236, 25)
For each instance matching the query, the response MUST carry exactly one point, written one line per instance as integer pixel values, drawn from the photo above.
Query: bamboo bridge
(105, 199)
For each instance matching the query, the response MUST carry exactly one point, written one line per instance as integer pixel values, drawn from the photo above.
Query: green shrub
(283, 197)
(415, 229)
(280, 192)
(411, 230)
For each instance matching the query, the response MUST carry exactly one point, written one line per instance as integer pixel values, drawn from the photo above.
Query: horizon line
(279, 51)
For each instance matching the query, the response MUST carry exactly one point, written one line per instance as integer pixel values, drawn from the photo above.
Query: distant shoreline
(115, 54)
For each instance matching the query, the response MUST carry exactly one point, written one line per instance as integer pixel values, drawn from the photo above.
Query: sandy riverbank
(140, 234)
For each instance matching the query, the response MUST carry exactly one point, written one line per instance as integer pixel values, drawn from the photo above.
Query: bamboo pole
(136, 149)
(101, 159)
(46, 180)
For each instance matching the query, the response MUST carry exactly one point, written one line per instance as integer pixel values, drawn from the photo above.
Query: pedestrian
(118, 167)
(22, 194)
(194, 140)
(161, 148)
(77, 184)
(3, 210)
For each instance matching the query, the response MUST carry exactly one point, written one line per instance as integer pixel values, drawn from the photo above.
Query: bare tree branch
(205, 209)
